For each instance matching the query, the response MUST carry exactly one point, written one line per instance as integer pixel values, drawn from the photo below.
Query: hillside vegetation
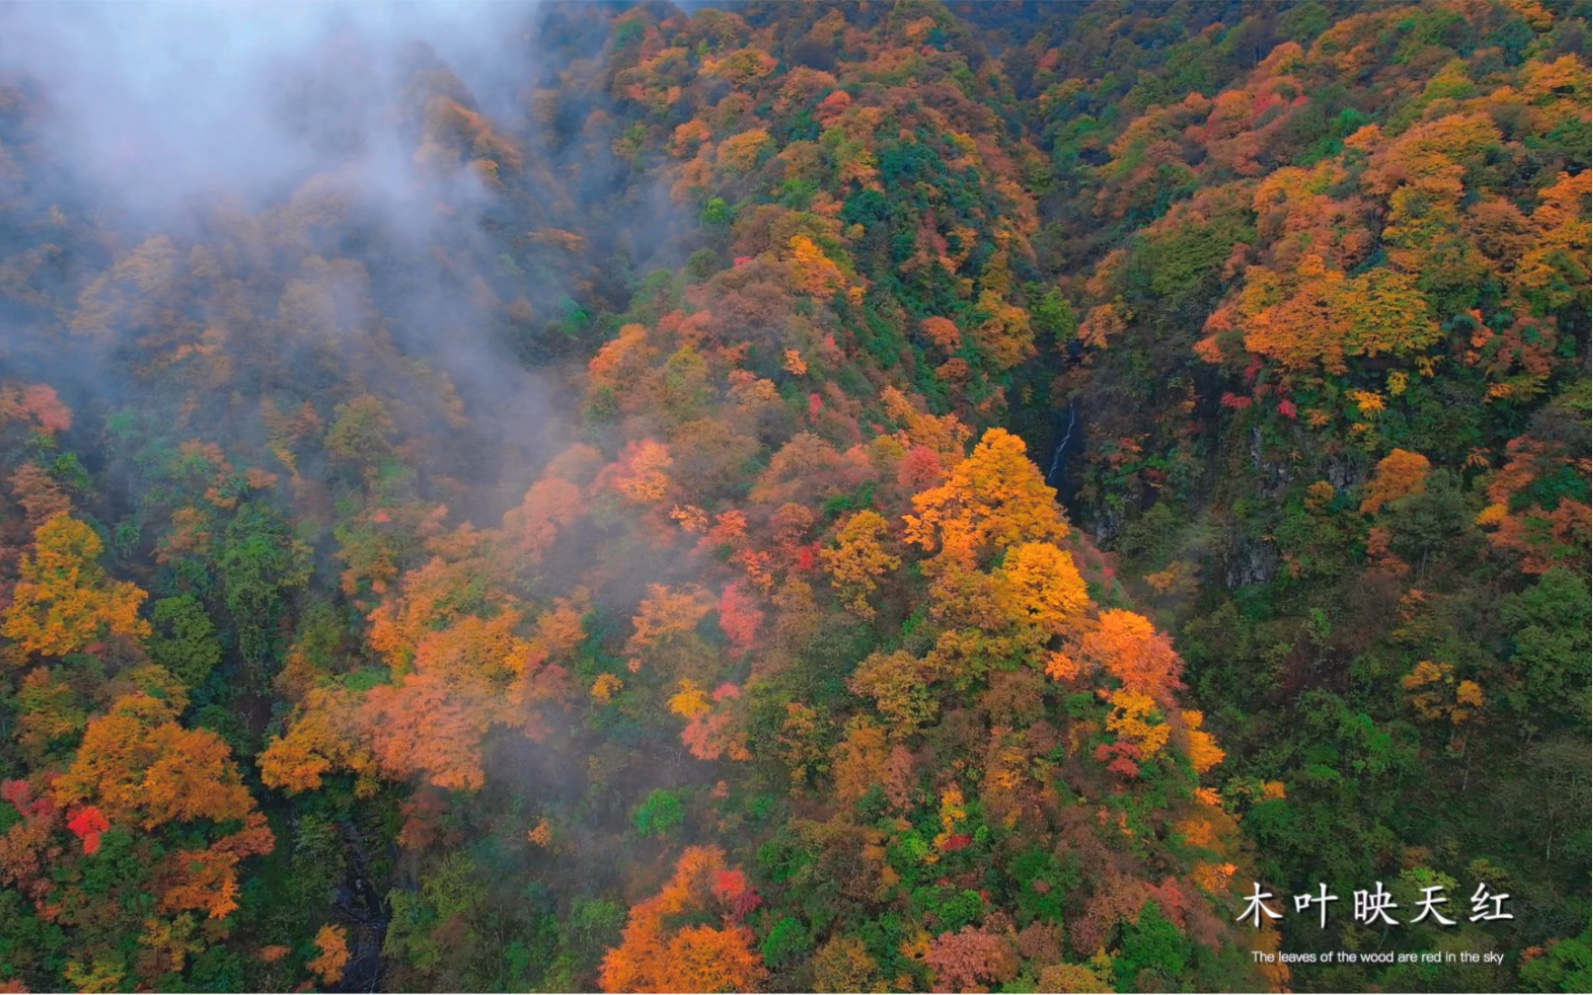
(805, 496)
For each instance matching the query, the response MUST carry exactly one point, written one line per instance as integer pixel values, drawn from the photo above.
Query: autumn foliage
(656, 957)
(64, 601)
(752, 504)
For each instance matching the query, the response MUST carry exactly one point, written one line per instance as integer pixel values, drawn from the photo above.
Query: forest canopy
(870, 496)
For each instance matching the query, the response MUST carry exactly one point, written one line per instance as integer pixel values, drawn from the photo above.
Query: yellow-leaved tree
(993, 499)
(858, 559)
(64, 600)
